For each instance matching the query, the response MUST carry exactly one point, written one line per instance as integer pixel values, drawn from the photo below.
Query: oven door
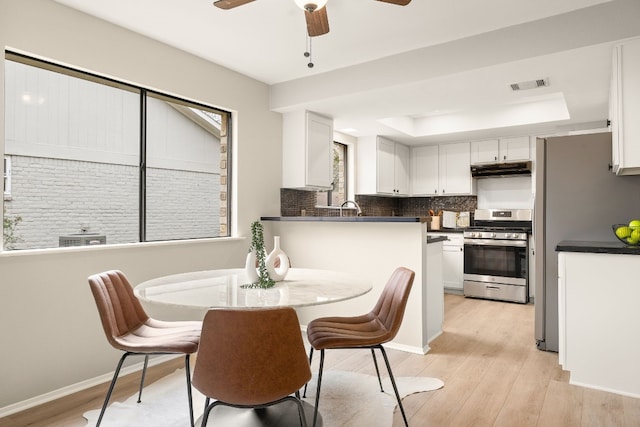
(502, 261)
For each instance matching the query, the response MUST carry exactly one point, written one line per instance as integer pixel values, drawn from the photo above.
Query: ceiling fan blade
(230, 4)
(398, 2)
(317, 22)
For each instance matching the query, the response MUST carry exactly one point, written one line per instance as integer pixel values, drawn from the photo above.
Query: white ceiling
(430, 71)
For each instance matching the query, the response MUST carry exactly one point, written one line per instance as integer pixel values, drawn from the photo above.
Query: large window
(97, 161)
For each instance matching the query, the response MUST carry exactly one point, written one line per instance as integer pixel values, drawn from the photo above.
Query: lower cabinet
(452, 261)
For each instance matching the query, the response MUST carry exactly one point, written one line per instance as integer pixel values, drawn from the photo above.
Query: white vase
(250, 267)
(277, 273)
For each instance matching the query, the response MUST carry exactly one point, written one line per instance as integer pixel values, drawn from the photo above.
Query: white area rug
(347, 399)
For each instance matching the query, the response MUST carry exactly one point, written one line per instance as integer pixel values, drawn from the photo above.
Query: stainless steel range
(496, 255)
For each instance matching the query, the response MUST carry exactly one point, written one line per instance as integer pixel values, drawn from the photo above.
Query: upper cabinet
(425, 171)
(382, 167)
(455, 169)
(624, 107)
(307, 141)
(441, 170)
(500, 150)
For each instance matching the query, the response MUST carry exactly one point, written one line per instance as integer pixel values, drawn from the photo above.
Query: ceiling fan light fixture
(311, 5)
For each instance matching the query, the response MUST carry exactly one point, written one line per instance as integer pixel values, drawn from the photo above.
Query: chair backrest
(392, 302)
(119, 309)
(251, 356)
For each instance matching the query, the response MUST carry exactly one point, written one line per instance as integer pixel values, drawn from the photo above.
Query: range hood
(501, 170)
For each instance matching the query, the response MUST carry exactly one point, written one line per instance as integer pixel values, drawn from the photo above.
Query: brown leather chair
(130, 329)
(370, 330)
(251, 358)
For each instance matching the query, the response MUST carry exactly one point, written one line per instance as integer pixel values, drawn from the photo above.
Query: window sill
(118, 246)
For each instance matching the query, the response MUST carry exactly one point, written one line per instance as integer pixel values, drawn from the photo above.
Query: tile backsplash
(303, 203)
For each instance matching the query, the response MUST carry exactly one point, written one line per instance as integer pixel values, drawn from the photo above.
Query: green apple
(635, 235)
(624, 232)
(634, 223)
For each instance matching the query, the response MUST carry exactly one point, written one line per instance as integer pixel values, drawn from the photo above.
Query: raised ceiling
(428, 72)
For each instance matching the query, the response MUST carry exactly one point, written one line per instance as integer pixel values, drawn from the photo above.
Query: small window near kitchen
(337, 195)
(7, 178)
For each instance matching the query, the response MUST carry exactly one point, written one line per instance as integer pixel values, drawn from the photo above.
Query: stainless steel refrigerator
(577, 197)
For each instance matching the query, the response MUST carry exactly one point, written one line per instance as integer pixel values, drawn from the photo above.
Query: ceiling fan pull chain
(307, 54)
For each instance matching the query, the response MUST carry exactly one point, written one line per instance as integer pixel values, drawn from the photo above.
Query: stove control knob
(509, 236)
(492, 235)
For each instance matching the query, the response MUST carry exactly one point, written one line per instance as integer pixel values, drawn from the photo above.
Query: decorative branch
(257, 244)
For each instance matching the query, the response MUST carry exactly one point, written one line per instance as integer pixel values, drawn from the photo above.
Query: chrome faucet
(359, 213)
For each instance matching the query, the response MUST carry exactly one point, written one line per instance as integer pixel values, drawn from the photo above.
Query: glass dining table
(203, 290)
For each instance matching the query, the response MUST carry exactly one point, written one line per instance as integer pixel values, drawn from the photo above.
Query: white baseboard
(408, 348)
(74, 388)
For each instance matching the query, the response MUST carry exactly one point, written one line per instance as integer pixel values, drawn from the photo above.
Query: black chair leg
(304, 393)
(144, 372)
(315, 411)
(113, 383)
(375, 362)
(207, 410)
(189, 394)
(303, 418)
(393, 382)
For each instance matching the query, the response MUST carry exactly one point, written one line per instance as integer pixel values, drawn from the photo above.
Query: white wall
(505, 193)
(50, 331)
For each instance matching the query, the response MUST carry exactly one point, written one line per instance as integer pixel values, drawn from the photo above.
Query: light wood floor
(493, 375)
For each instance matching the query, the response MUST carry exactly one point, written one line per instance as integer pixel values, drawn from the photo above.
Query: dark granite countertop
(436, 239)
(447, 230)
(597, 247)
(345, 218)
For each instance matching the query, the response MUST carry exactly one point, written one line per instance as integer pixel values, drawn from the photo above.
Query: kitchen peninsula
(598, 295)
(372, 247)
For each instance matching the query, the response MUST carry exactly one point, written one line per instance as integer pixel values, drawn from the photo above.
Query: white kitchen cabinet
(598, 325)
(452, 261)
(307, 146)
(500, 150)
(625, 108)
(455, 169)
(425, 171)
(382, 167)
(441, 170)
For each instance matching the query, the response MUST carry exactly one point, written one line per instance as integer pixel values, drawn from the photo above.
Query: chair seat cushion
(341, 332)
(162, 337)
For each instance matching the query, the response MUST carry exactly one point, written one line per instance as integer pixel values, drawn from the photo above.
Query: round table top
(224, 288)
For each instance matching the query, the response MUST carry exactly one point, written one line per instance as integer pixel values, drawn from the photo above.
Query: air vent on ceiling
(531, 84)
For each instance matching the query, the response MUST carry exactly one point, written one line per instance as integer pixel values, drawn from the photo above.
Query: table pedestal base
(284, 414)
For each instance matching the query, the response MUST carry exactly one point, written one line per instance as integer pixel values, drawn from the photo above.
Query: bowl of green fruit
(629, 234)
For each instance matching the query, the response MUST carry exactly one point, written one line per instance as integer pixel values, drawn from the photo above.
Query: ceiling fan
(314, 12)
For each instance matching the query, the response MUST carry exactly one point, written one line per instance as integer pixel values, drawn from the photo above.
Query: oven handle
(493, 242)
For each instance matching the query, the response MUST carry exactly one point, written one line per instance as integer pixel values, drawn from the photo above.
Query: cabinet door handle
(494, 288)
(495, 158)
(505, 157)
